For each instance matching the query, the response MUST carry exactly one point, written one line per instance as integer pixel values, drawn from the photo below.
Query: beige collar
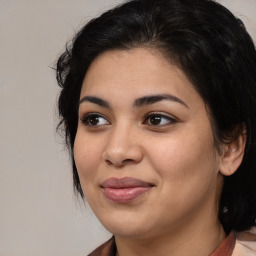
(245, 243)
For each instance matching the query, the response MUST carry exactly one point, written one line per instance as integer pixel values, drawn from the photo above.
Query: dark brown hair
(213, 49)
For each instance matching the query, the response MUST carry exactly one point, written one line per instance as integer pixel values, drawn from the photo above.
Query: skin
(174, 151)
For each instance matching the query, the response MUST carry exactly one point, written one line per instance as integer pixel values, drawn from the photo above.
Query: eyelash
(87, 122)
(170, 120)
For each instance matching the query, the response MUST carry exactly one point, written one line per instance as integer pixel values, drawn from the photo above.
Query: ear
(233, 155)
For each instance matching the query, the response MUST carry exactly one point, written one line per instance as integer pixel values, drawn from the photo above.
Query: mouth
(125, 189)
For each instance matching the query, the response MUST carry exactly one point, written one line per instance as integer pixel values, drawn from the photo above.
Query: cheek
(185, 161)
(188, 175)
(87, 155)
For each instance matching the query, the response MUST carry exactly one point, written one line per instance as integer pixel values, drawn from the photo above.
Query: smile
(124, 190)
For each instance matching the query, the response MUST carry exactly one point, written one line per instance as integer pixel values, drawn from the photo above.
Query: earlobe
(233, 155)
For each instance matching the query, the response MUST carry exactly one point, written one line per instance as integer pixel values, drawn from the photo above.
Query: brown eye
(94, 119)
(159, 120)
(155, 120)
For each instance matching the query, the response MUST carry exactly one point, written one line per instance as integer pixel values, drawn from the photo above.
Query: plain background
(39, 214)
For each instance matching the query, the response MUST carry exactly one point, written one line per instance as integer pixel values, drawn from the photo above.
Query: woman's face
(144, 146)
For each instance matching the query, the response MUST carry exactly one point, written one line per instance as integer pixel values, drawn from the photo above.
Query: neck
(194, 240)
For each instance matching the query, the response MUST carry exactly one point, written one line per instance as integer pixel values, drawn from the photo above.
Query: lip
(125, 189)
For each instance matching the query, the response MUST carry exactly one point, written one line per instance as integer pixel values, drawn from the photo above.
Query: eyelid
(171, 118)
(84, 117)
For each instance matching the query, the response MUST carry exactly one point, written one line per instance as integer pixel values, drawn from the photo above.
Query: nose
(122, 148)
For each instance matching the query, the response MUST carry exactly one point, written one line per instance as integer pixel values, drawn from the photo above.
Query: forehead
(136, 73)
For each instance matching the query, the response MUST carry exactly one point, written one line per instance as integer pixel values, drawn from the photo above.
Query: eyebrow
(151, 99)
(95, 100)
(143, 101)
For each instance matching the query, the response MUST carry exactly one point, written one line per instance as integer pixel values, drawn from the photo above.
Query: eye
(156, 119)
(94, 119)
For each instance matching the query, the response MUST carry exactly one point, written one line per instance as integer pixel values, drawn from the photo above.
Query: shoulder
(245, 243)
(106, 249)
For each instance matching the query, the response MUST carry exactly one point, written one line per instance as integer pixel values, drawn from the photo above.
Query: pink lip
(125, 189)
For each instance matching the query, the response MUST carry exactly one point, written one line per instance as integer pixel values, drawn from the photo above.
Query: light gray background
(39, 215)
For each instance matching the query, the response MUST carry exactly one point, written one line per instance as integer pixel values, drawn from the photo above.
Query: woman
(158, 103)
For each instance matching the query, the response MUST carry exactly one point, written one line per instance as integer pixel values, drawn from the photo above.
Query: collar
(226, 247)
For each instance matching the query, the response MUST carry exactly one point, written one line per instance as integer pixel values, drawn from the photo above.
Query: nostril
(127, 161)
(121, 163)
(119, 156)
(108, 162)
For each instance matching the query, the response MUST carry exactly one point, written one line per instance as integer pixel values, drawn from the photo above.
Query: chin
(129, 226)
